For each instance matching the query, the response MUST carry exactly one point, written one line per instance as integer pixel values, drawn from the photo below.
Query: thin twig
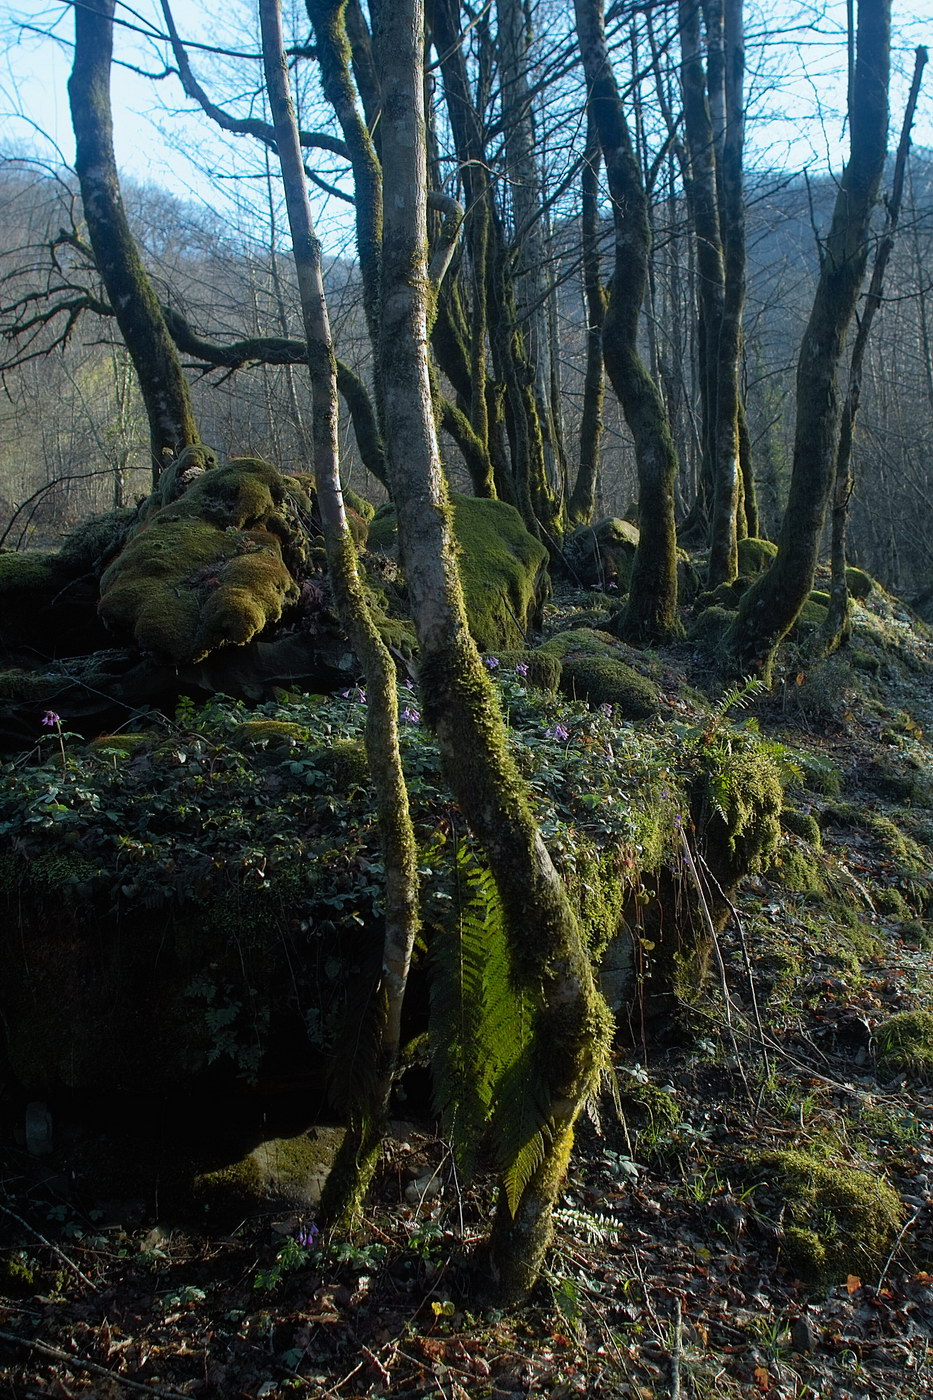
(80, 1363)
(711, 930)
(677, 1350)
(48, 1244)
(897, 1243)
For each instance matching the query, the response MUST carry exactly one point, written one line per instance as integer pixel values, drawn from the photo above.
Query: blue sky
(796, 88)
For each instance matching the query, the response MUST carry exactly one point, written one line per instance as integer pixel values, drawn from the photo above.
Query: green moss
(814, 612)
(601, 680)
(503, 568)
(344, 762)
(581, 641)
(740, 799)
(602, 555)
(710, 626)
(798, 872)
(838, 1219)
(542, 670)
(17, 1277)
(211, 568)
(255, 733)
(94, 540)
(858, 582)
(123, 744)
(755, 556)
(25, 573)
(904, 1045)
(282, 1171)
(648, 1108)
(364, 509)
(36, 687)
(803, 824)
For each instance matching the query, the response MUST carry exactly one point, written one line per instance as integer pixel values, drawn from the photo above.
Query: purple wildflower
(490, 662)
(51, 719)
(557, 731)
(606, 709)
(357, 693)
(522, 668)
(307, 1237)
(411, 714)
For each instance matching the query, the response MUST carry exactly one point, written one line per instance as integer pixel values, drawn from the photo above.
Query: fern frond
(588, 1226)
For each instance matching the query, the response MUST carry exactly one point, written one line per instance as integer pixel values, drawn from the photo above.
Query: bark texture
(367, 1119)
(162, 383)
(771, 606)
(651, 614)
(547, 946)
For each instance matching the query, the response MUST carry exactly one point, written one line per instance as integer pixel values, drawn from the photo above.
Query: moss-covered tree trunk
(771, 606)
(162, 383)
(583, 496)
(652, 608)
(367, 1120)
(836, 628)
(548, 954)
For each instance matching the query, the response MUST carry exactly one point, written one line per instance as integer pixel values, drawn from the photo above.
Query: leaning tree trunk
(651, 614)
(771, 606)
(836, 628)
(162, 383)
(359, 1151)
(548, 953)
(583, 496)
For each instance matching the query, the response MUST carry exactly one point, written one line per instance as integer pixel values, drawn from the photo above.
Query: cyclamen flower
(557, 731)
(490, 662)
(51, 719)
(411, 714)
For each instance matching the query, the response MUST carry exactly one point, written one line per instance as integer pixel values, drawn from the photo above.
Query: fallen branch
(80, 1363)
(48, 1244)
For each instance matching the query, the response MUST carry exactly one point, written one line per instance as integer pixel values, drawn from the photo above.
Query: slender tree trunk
(652, 608)
(359, 1152)
(162, 383)
(771, 606)
(836, 628)
(549, 957)
(582, 500)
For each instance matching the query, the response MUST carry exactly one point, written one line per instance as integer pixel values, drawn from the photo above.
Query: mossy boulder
(803, 824)
(710, 626)
(593, 669)
(904, 1045)
(755, 556)
(858, 582)
(278, 1173)
(503, 568)
(601, 555)
(838, 1218)
(212, 568)
(601, 680)
(535, 668)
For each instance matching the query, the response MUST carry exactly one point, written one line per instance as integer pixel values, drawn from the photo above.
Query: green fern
(487, 1087)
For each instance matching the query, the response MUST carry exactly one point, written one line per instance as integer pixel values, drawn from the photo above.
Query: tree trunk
(651, 614)
(459, 703)
(836, 628)
(359, 1152)
(582, 500)
(771, 606)
(162, 383)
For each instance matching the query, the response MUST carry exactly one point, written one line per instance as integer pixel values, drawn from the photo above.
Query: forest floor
(671, 1273)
